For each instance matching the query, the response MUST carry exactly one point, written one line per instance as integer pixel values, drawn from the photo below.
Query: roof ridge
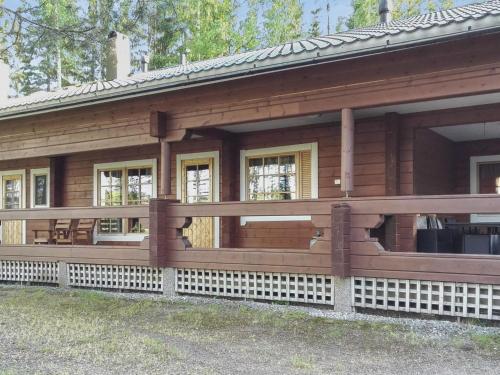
(360, 40)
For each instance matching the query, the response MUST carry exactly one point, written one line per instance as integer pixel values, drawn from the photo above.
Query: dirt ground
(50, 331)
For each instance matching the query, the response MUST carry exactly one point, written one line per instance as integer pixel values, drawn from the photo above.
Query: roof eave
(373, 46)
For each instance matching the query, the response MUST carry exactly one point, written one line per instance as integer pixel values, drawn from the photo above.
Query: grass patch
(302, 363)
(487, 342)
(93, 327)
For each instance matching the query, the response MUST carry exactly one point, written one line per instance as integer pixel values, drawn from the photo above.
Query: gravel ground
(50, 331)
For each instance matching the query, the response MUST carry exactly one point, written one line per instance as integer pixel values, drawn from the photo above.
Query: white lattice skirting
(138, 278)
(429, 297)
(314, 289)
(33, 272)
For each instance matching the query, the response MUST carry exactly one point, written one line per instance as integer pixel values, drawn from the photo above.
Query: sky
(338, 8)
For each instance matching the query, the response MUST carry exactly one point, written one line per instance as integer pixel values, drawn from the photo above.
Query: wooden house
(359, 169)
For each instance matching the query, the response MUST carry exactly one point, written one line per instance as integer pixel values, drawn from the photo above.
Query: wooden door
(12, 198)
(197, 187)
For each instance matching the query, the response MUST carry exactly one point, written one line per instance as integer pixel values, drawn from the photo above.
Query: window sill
(257, 219)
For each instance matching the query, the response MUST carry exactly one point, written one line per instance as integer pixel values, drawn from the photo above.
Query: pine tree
(315, 27)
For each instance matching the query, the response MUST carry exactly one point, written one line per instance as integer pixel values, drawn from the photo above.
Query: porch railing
(343, 244)
(90, 254)
(368, 258)
(169, 246)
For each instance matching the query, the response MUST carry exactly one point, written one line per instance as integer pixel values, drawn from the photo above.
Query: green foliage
(56, 43)
(314, 29)
(283, 21)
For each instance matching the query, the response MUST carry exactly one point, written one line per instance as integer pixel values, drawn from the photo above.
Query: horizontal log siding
(79, 171)
(455, 68)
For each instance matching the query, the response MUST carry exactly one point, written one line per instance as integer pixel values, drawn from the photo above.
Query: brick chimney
(4, 81)
(385, 11)
(118, 56)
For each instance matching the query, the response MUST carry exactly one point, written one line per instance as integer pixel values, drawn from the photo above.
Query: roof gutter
(134, 91)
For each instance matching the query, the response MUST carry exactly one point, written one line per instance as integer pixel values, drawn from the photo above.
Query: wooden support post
(56, 181)
(165, 183)
(392, 160)
(347, 157)
(392, 153)
(341, 240)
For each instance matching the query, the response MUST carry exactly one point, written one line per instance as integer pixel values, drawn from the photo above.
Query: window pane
(41, 190)
(133, 194)
(110, 226)
(255, 166)
(271, 184)
(133, 176)
(116, 178)
(204, 188)
(192, 173)
(116, 196)
(146, 193)
(272, 178)
(146, 176)
(287, 164)
(203, 172)
(271, 165)
(256, 184)
(191, 189)
(489, 174)
(105, 178)
(285, 183)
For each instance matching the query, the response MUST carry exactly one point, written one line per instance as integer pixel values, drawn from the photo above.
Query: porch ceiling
(472, 133)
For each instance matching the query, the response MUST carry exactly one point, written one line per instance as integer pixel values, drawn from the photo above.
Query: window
(279, 173)
(485, 179)
(122, 184)
(198, 183)
(40, 187)
(272, 177)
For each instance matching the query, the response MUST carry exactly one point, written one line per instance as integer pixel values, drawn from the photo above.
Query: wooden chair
(84, 232)
(61, 234)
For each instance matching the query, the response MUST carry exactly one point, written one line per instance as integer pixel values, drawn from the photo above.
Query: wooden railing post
(341, 240)
(157, 230)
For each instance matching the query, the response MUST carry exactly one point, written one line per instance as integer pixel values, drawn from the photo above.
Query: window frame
(475, 162)
(33, 174)
(280, 151)
(124, 165)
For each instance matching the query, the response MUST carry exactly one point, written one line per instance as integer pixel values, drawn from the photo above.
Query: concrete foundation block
(63, 275)
(169, 282)
(343, 294)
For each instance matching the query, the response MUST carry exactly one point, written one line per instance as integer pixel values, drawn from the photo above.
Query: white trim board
(21, 172)
(216, 183)
(474, 186)
(313, 147)
(123, 164)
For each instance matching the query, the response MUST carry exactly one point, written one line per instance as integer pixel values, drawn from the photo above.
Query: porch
(199, 220)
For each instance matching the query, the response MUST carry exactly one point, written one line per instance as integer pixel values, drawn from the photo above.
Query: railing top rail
(429, 204)
(75, 213)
